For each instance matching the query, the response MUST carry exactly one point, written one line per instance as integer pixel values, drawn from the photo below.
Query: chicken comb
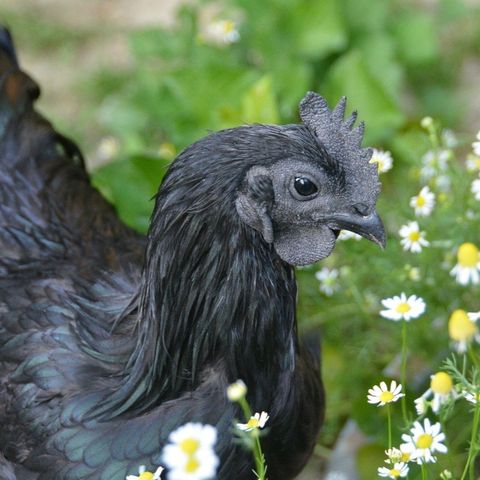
(339, 137)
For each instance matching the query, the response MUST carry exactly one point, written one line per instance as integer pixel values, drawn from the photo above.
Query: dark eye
(304, 186)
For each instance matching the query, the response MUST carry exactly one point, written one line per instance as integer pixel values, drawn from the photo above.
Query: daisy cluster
(425, 439)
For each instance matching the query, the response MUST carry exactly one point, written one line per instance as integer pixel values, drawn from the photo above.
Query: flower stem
(389, 416)
(473, 441)
(403, 370)
(424, 472)
(260, 467)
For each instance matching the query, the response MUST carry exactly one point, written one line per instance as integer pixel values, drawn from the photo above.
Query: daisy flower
(473, 162)
(449, 139)
(236, 391)
(190, 454)
(467, 269)
(107, 148)
(257, 421)
(441, 389)
(434, 163)
(476, 189)
(401, 454)
(412, 238)
(383, 159)
(423, 203)
(471, 396)
(222, 32)
(476, 146)
(426, 440)
(393, 455)
(381, 395)
(401, 307)
(143, 474)
(462, 329)
(328, 280)
(399, 469)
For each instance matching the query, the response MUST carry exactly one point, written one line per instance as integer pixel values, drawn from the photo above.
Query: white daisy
(236, 391)
(401, 454)
(394, 455)
(422, 404)
(463, 330)
(107, 148)
(399, 469)
(473, 162)
(143, 474)
(423, 203)
(442, 391)
(476, 146)
(256, 421)
(222, 32)
(449, 139)
(467, 268)
(190, 454)
(401, 307)
(347, 235)
(412, 238)
(434, 163)
(471, 397)
(383, 159)
(328, 280)
(426, 440)
(475, 188)
(381, 395)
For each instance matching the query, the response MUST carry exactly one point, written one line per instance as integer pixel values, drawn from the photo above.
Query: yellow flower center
(424, 441)
(403, 307)
(146, 476)
(394, 472)
(253, 423)
(190, 445)
(386, 397)
(460, 327)
(405, 457)
(441, 383)
(414, 236)
(468, 255)
(228, 26)
(420, 201)
(192, 465)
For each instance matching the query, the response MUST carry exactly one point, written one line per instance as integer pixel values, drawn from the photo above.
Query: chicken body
(109, 341)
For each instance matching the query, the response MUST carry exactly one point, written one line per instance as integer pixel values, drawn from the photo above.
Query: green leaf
(319, 28)
(417, 37)
(259, 104)
(350, 76)
(130, 185)
(378, 52)
(366, 16)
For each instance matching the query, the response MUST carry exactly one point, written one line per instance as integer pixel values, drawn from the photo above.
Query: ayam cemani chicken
(109, 340)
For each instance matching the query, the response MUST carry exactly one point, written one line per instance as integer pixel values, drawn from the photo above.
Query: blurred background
(135, 82)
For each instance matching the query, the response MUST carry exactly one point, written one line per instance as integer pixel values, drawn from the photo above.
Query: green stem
(389, 416)
(424, 472)
(473, 442)
(403, 370)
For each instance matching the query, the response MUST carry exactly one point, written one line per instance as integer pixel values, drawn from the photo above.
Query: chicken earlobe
(255, 202)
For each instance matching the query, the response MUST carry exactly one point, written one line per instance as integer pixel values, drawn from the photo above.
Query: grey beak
(368, 226)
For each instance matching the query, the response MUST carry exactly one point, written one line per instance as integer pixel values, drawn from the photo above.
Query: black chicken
(109, 340)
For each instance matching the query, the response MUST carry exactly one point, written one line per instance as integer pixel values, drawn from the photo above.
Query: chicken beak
(368, 226)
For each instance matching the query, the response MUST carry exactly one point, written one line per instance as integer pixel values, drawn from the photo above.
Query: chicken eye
(304, 186)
